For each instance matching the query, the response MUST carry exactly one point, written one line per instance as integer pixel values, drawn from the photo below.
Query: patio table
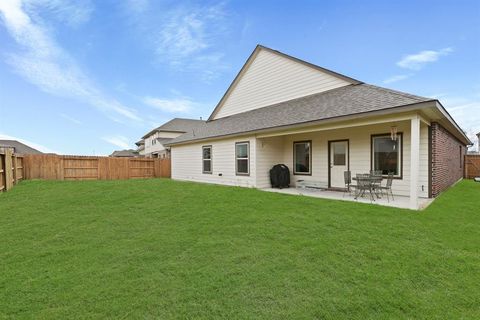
(371, 182)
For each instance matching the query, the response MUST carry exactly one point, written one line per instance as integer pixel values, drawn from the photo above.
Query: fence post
(14, 169)
(8, 169)
(2, 170)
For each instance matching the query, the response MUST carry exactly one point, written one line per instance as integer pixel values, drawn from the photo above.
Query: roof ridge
(185, 119)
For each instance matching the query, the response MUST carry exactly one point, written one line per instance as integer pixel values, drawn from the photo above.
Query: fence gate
(11, 169)
(472, 166)
(80, 168)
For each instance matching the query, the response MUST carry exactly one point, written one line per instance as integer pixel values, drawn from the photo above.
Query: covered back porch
(318, 156)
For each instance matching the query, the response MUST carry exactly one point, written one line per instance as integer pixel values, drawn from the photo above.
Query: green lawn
(165, 249)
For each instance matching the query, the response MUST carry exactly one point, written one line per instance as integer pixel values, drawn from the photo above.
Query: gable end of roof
(297, 60)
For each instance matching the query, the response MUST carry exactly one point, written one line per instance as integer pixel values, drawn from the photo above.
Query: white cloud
(210, 65)
(182, 105)
(397, 78)
(472, 135)
(117, 140)
(28, 143)
(70, 12)
(438, 95)
(45, 64)
(247, 26)
(137, 6)
(182, 36)
(418, 60)
(189, 31)
(71, 119)
(186, 38)
(466, 111)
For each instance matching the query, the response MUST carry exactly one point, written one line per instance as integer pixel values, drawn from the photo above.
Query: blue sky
(88, 77)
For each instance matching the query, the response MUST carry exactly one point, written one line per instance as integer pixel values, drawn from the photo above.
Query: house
(18, 147)
(477, 151)
(280, 109)
(154, 142)
(140, 147)
(478, 142)
(130, 153)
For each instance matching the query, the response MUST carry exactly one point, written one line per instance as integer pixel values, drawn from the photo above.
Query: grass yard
(165, 249)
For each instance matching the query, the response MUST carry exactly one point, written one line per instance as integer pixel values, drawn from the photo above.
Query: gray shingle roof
(180, 124)
(18, 147)
(164, 140)
(124, 153)
(177, 125)
(344, 101)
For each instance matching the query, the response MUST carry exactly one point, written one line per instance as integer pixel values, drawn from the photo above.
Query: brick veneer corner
(447, 158)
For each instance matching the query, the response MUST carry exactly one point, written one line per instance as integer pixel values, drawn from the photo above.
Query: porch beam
(422, 119)
(350, 124)
(414, 161)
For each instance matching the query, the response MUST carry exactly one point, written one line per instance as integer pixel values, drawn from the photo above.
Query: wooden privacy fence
(472, 166)
(11, 169)
(55, 167)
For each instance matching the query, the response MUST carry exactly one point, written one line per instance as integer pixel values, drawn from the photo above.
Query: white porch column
(414, 161)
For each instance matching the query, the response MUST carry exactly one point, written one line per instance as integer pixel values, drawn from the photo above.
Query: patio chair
(376, 173)
(388, 187)
(347, 177)
(377, 177)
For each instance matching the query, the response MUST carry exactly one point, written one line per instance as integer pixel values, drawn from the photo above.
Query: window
(461, 158)
(302, 157)
(339, 154)
(207, 159)
(387, 154)
(242, 158)
(154, 141)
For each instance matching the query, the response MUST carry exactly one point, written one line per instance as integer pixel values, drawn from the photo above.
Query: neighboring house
(18, 147)
(140, 147)
(478, 146)
(130, 153)
(155, 140)
(280, 109)
(478, 142)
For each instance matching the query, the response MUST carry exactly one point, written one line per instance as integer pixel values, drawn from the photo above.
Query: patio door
(338, 163)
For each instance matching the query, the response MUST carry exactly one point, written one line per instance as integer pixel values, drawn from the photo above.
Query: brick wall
(447, 159)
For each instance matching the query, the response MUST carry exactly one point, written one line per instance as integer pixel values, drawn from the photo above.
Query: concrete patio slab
(399, 202)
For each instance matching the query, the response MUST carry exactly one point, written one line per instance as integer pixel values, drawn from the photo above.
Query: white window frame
(247, 158)
(399, 153)
(204, 159)
(309, 173)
